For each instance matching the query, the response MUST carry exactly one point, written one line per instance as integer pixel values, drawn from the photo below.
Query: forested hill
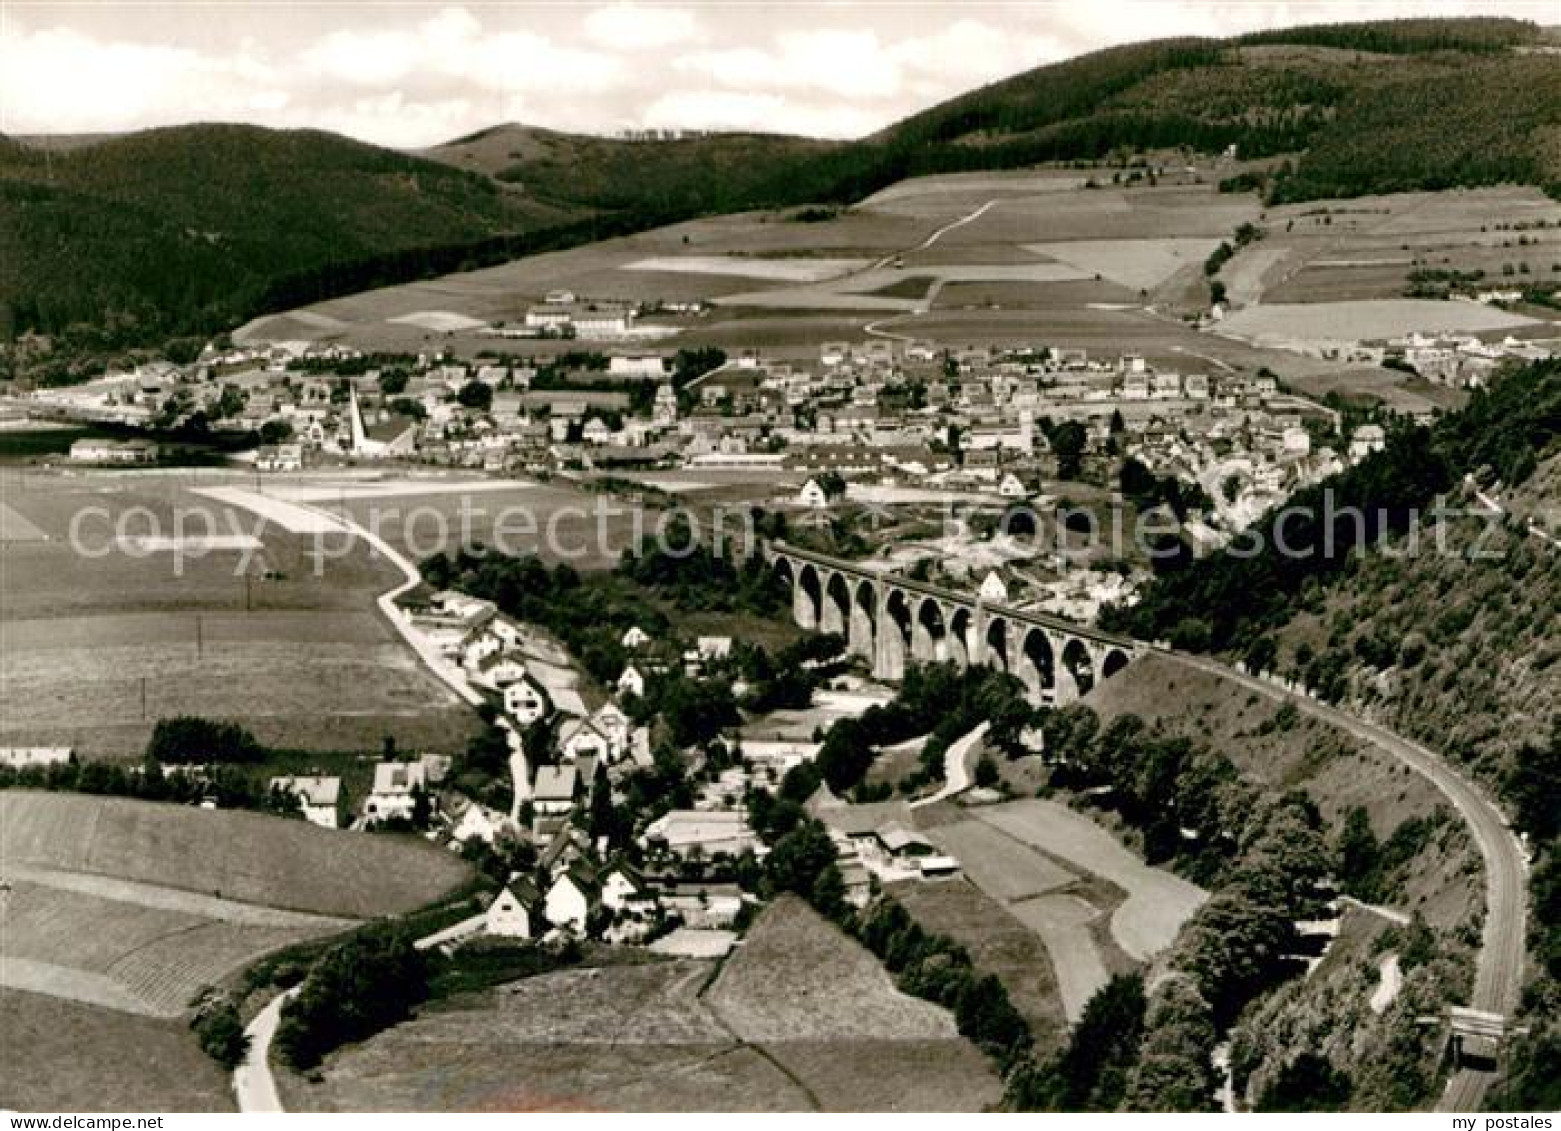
(692, 175)
(1373, 107)
(189, 228)
(1450, 640)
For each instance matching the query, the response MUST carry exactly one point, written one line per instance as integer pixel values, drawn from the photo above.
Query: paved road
(956, 766)
(442, 668)
(253, 1085)
(1498, 977)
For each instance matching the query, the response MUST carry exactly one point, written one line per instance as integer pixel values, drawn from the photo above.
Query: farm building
(131, 452)
(319, 797)
(396, 788)
(280, 457)
(20, 757)
(688, 832)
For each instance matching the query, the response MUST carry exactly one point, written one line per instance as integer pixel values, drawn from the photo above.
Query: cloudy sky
(412, 74)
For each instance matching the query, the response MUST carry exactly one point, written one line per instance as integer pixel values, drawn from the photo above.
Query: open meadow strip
(1158, 902)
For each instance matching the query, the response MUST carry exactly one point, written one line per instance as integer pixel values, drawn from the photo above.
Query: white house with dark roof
(571, 898)
(614, 724)
(578, 738)
(624, 890)
(514, 911)
(631, 682)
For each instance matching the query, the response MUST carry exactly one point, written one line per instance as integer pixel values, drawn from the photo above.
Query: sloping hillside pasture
(822, 1007)
(624, 1037)
(797, 977)
(128, 907)
(1365, 248)
(789, 270)
(58, 1055)
(302, 658)
(959, 187)
(998, 944)
(1074, 294)
(1335, 770)
(1132, 263)
(799, 1018)
(601, 270)
(1104, 214)
(1157, 902)
(140, 959)
(245, 857)
(1064, 922)
(1272, 322)
(998, 864)
(1069, 909)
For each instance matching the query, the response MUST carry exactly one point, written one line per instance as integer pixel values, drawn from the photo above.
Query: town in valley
(1047, 607)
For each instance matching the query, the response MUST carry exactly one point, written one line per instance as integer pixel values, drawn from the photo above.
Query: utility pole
(200, 641)
(143, 699)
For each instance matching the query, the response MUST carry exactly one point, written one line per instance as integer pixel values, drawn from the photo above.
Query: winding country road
(956, 767)
(253, 1085)
(875, 328)
(1498, 976)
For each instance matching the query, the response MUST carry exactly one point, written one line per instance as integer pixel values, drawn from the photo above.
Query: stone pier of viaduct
(890, 620)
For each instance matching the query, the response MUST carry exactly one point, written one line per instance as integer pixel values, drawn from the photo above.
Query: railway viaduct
(890, 620)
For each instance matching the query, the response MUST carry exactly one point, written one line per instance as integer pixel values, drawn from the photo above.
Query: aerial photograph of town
(687, 557)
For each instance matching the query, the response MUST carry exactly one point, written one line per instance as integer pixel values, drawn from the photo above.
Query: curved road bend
(932, 292)
(1498, 977)
(956, 766)
(253, 1085)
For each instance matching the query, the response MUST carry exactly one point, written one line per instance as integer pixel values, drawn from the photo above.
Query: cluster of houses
(1461, 361)
(879, 405)
(562, 314)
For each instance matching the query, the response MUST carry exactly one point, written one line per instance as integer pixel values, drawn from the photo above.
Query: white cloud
(374, 59)
(847, 63)
(58, 81)
(967, 52)
(409, 86)
(629, 25)
(411, 77)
